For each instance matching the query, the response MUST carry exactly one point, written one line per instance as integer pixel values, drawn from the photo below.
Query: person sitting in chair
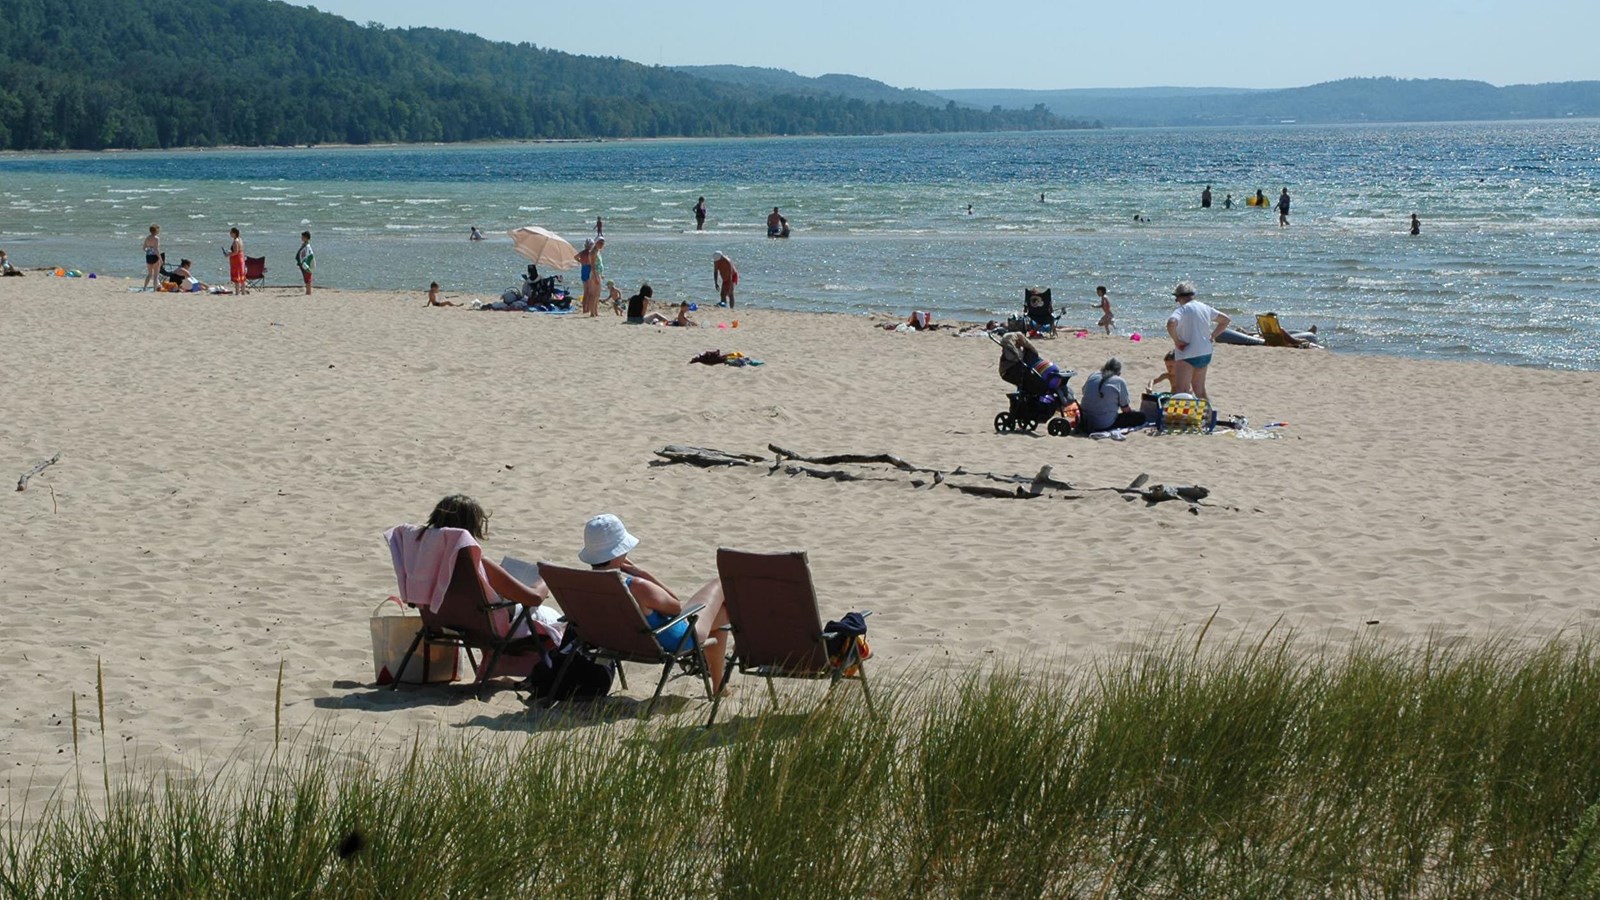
(463, 512)
(606, 543)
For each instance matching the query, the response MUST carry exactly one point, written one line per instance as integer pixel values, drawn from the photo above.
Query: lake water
(1507, 268)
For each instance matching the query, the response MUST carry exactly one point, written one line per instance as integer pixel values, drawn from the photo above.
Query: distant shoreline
(511, 142)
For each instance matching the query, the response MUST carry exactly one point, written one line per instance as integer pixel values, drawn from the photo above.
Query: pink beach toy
(1080, 334)
(1136, 337)
(722, 324)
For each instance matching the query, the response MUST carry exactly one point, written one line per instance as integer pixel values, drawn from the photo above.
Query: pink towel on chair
(423, 567)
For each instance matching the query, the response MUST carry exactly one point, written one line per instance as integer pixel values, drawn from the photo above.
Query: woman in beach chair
(606, 543)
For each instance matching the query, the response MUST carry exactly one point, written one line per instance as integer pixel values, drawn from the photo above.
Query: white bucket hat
(605, 539)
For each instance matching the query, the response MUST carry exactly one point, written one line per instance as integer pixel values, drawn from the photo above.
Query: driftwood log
(706, 457)
(842, 458)
(22, 483)
(1010, 487)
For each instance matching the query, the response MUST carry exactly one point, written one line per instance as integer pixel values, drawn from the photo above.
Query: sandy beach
(228, 466)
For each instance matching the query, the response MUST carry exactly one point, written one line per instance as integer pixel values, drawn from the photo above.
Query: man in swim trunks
(1194, 327)
(1283, 208)
(777, 225)
(723, 277)
(700, 214)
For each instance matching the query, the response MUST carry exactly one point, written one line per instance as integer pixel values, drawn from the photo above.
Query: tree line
(102, 74)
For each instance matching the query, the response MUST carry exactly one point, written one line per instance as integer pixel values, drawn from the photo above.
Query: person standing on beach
(1416, 225)
(1104, 305)
(235, 254)
(700, 214)
(591, 287)
(305, 260)
(723, 277)
(1193, 327)
(1283, 208)
(1205, 198)
(152, 259)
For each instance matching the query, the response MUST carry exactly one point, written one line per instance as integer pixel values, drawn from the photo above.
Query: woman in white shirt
(1194, 327)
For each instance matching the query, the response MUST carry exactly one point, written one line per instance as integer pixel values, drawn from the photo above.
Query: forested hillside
(1344, 101)
(96, 74)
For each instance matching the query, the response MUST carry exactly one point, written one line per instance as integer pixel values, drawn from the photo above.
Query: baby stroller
(1040, 311)
(1042, 393)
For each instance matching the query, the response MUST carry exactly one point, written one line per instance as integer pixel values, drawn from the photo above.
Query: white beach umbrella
(544, 247)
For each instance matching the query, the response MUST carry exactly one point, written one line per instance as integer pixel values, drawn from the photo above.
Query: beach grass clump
(1266, 770)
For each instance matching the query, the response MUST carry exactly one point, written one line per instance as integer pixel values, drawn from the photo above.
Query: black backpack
(584, 679)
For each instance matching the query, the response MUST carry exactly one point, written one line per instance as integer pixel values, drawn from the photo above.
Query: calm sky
(1052, 43)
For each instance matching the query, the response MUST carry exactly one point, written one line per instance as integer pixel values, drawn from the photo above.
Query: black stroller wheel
(1031, 425)
(1059, 427)
(1002, 423)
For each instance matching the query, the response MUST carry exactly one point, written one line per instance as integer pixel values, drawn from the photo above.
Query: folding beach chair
(255, 271)
(1040, 311)
(607, 623)
(1272, 331)
(777, 631)
(467, 619)
(1185, 415)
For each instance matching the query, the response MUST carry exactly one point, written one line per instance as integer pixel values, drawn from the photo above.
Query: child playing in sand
(614, 296)
(433, 296)
(1104, 305)
(6, 268)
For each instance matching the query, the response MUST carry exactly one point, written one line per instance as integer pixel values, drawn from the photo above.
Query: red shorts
(307, 274)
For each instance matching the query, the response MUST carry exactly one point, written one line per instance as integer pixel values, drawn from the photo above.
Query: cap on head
(717, 254)
(1184, 289)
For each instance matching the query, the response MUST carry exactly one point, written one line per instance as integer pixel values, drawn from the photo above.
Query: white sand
(229, 466)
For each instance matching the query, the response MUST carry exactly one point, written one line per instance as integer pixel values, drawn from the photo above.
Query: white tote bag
(393, 630)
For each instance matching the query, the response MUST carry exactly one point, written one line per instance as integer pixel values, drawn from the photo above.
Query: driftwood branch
(830, 474)
(22, 483)
(1010, 487)
(839, 458)
(704, 456)
(1037, 482)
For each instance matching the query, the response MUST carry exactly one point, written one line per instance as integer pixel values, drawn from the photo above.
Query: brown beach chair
(777, 631)
(608, 623)
(467, 619)
(255, 271)
(1272, 331)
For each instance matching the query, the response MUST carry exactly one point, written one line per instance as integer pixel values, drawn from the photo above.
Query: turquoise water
(1507, 268)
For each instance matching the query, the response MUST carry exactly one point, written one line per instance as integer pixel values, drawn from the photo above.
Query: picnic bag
(393, 630)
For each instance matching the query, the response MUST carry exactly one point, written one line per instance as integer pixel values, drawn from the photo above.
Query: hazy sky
(1052, 43)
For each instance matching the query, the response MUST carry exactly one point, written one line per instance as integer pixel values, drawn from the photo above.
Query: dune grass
(1465, 770)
